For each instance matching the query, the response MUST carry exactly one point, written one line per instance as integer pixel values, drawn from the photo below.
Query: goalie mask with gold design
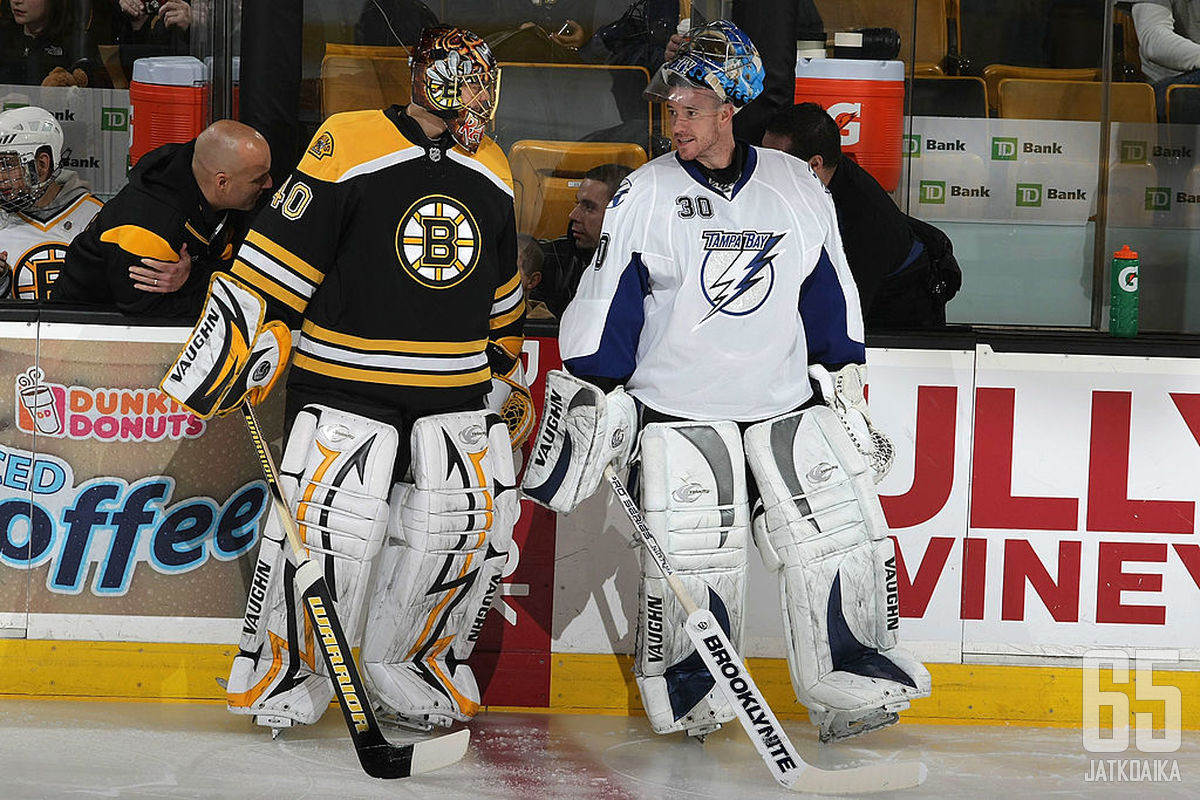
(455, 76)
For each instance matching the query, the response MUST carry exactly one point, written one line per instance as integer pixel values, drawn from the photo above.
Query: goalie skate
(836, 726)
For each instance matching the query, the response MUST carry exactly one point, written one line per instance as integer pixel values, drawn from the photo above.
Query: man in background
(153, 247)
(889, 260)
(567, 256)
(1168, 34)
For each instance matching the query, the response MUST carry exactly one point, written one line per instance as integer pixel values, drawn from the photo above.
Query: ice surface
(78, 750)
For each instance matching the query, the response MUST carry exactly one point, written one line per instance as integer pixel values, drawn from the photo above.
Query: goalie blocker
(230, 355)
(582, 431)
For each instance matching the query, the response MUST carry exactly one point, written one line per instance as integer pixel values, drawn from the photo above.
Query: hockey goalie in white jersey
(718, 285)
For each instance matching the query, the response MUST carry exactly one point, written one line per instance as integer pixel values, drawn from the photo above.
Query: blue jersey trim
(698, 176)
(616, 356)
(823, 310)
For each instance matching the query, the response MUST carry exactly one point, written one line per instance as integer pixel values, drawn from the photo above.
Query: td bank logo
(1158, 198)
(1132, 152)
(932, 192)
(114, 119)
(912, 145)
(1029, 195)
(1004, 148)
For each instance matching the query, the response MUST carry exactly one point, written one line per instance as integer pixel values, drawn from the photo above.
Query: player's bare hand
(673, 45)
(570, 35)
(161, 277)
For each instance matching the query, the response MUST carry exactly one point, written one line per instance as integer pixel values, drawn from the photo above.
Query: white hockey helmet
(25, 133)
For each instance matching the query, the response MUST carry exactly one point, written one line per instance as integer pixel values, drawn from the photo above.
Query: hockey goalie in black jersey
(392, 247)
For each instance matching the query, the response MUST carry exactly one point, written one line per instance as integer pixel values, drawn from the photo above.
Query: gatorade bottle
(1123, 313)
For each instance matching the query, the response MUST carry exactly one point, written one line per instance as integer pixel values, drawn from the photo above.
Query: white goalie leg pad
(582, 431)
(440, 568)
(693, 493)
(822, 530)
(336, 472)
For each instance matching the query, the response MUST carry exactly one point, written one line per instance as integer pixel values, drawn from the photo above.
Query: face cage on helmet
(16, 196)
(469, 122)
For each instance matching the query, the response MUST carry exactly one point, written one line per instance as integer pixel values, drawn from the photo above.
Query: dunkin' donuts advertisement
(113, 498)
(123, 517)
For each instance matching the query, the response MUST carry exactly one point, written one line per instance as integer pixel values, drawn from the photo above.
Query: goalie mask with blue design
(719, 57)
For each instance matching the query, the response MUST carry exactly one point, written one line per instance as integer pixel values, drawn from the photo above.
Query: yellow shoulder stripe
(491, 155)
(349, 139)
(140, 242)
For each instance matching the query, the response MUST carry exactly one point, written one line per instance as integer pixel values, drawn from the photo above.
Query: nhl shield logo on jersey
(36, 270)
(437, 241)
(738, 270)
(322, 147)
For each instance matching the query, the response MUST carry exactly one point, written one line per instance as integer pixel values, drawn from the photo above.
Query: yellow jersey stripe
(195, 233)
(512, 284)
(284, 256)
(393, 345)
(306, 362)
(268, 286)
(509, 318)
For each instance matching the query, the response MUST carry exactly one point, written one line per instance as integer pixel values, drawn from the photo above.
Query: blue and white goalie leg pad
(336, 472)
(822, 529)
(440, 569)
(693, 493)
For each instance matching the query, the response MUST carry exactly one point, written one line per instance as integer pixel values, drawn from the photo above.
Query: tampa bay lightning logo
(738, 271)
(619, 195)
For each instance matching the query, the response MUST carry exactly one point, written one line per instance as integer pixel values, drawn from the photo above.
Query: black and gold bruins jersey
(397, 254)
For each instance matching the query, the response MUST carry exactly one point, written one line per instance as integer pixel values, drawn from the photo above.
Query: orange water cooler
(867, 100)
(169, 95)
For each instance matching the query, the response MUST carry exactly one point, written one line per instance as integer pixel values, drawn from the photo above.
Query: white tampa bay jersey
(711, 305)
(37, 243)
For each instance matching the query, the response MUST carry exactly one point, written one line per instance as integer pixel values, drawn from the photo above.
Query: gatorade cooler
(867, 100)
(169, 95)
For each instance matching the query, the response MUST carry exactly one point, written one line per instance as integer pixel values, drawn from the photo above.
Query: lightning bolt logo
(737, 278)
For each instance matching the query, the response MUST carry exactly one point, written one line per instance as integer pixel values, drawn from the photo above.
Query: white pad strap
(582, 431)
(336, 472)
(823, 531)
(440, 568)
(693, 492)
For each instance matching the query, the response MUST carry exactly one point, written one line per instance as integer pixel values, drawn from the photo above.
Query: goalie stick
(379, 758)
(729, 672)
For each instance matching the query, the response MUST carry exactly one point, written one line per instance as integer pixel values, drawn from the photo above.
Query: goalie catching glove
(510, 398)
(231, 355)
(844, 392)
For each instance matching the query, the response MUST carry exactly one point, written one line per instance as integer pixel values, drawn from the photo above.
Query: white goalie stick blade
(743, 694)
(768, 736)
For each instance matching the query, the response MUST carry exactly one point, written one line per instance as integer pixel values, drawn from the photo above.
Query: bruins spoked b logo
(437, 241)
